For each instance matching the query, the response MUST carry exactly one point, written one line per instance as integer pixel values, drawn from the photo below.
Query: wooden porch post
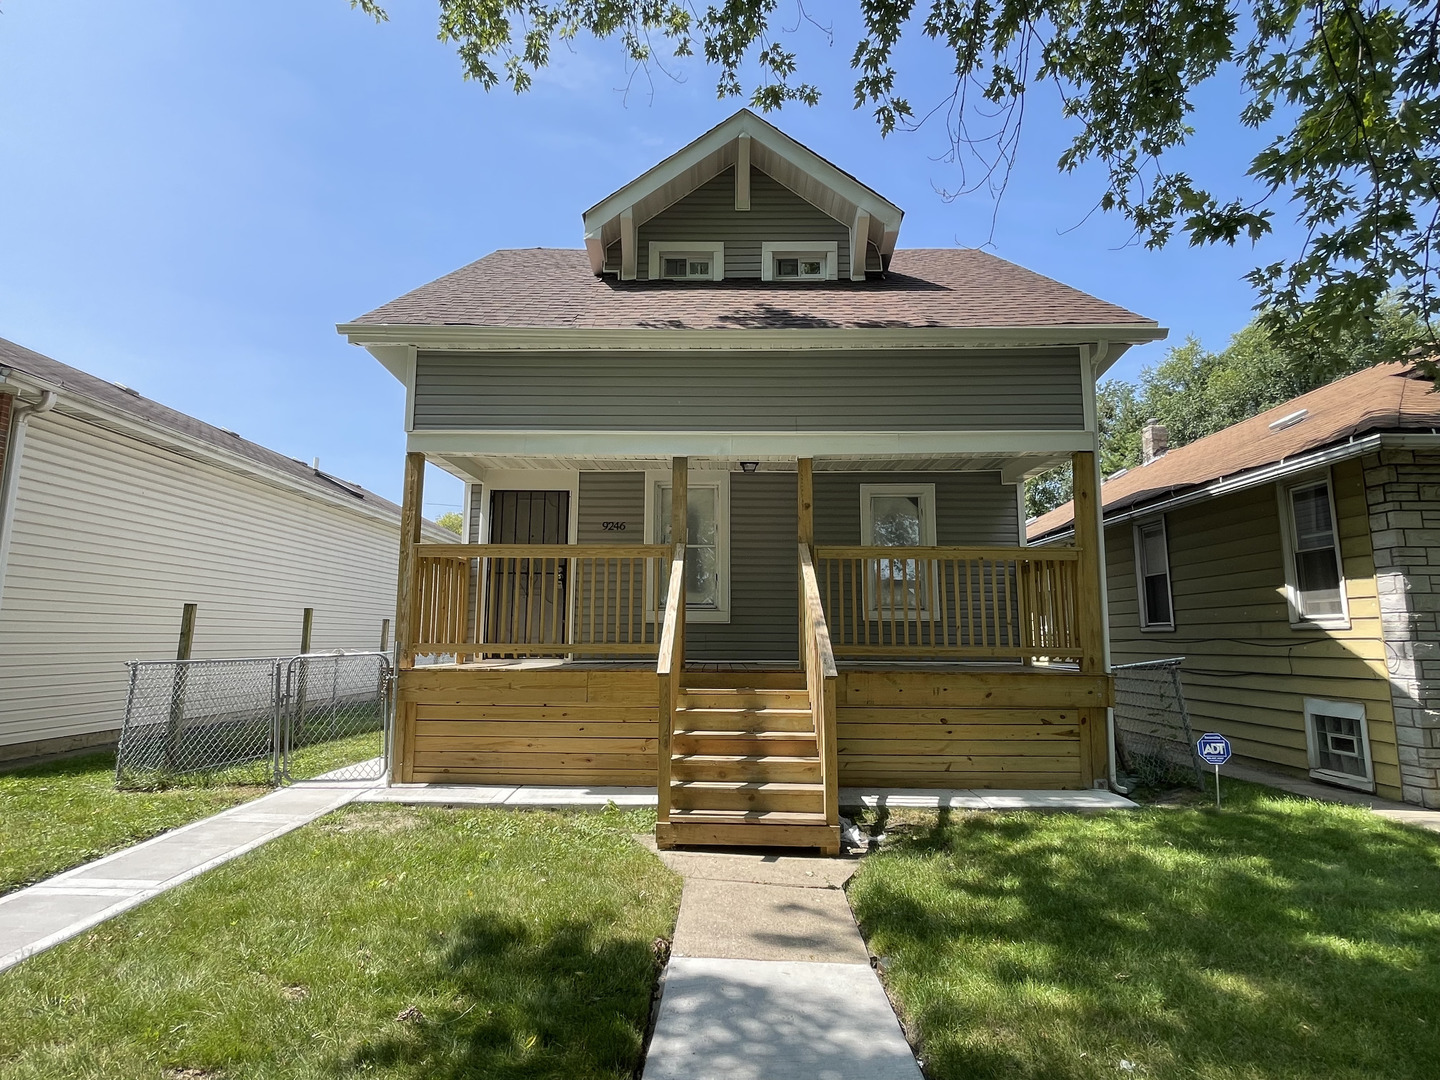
(804, 531)
(680, 534)
(1094, 750)
(805, 513)
(402, 756)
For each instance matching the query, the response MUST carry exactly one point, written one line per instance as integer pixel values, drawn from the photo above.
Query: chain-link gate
(1153, 740)
(261, 720)
(335, 710)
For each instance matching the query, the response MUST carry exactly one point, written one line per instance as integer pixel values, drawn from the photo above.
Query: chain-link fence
(1153, 740)
(255, 720)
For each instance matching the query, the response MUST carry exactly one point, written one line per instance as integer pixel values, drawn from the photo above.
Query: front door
(529, 603)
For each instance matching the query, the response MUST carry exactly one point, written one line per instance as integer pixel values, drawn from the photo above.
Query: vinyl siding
(971, 508)
(112, 537)
(1246, 670)
(708, 214)
(932, 390)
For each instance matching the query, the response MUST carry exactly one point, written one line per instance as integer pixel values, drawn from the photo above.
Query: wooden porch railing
(670, 667)
(821, 680)
(952, 602)
(517, 600)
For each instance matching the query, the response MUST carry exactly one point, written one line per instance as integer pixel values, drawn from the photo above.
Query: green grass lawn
(64, 813)
(1279, 938)
(381, 941)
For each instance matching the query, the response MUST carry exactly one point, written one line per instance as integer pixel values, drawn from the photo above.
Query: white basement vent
(1289, 420)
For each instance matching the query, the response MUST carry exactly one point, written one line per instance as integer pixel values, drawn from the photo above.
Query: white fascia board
(163, 438)
(746, 445)
(747, 123)
(500, 339)
(1267, 474)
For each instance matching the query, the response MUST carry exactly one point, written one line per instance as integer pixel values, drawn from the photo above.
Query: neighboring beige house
(1293, 560)
(116, 512)
(745, 515)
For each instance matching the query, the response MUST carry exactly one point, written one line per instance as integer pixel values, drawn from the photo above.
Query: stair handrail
(821, 679)
(669, 666)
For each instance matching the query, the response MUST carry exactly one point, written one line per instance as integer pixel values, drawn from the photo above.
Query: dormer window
(800, 268)
(689, 260)
(789, 261)
(683, 266)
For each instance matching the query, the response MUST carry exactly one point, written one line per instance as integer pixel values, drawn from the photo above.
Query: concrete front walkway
(769, 978)
(59, 908)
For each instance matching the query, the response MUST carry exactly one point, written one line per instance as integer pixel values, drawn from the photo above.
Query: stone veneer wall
(1402, 490)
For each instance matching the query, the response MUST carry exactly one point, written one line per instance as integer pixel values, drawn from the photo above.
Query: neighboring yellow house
(1293, 560)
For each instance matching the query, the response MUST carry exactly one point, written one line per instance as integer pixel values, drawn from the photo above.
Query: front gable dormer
(743, 201)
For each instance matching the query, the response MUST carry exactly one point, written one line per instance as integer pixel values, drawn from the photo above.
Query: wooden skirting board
(559, 726)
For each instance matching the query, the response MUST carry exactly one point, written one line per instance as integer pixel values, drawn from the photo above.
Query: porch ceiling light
(749, 466)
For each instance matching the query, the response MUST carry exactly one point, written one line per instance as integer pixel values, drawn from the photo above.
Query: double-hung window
(707, 544)
(1315, 581)
(1152, 576)
(899, 516)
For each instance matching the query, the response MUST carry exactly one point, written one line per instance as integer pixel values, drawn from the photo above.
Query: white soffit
(807, 174)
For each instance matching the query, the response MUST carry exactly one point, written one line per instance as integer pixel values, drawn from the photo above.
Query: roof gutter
(1357, 446)
(432, 336)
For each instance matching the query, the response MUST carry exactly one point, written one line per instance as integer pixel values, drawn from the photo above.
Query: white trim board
(746, 446)
(828, 250)
(713, 250)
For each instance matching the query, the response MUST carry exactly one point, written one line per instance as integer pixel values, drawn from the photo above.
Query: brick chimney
(1154, 441)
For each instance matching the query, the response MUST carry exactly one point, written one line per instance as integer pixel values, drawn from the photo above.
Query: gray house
(744, 504)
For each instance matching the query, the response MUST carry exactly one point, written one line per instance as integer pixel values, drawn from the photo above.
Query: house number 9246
(613, 526)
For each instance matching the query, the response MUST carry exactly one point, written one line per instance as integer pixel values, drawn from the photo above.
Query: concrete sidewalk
(769, 978)
(59, 908)
(1404, 813)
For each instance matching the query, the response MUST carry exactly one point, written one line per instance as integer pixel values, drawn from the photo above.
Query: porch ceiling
(474, 468)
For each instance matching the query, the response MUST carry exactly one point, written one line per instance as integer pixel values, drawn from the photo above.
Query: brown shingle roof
(1387, 397)
(72, 382)
(554, 288)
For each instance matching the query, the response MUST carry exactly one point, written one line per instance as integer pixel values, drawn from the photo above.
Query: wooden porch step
(768, 680)
(740, 696)
(728, 741)
(741, 718)
(748, 829)
(747, 795)
(746, 767)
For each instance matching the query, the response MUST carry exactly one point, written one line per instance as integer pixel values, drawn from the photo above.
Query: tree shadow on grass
(523, 1002)
(1272, 942)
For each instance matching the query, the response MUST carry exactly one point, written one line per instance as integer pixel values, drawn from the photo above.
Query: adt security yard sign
(1214, 750)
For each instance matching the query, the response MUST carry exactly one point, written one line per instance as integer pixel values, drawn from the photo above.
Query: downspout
(10, 480)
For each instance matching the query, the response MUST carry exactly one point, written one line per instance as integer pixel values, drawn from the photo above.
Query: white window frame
(660, 250)
(1299, 620)
(827, 251)
(1146, 623)
(1352, 710)
(654, 480)
(926, 494)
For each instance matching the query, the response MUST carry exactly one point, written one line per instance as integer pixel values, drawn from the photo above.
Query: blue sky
(192, 195)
